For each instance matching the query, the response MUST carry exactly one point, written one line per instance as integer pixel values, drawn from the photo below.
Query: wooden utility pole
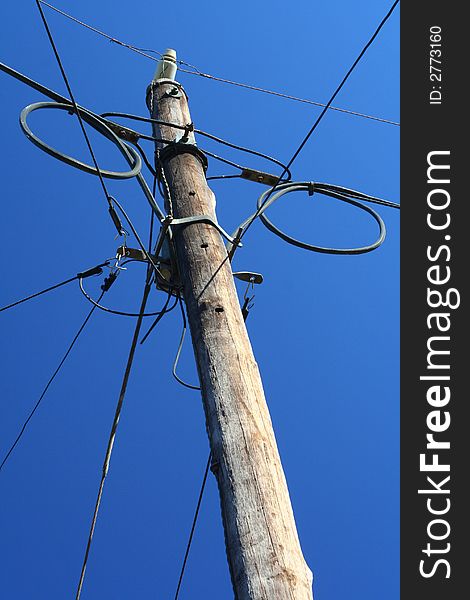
(263, 549)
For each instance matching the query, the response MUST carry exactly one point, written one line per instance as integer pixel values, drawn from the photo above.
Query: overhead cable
(322, 114)
(194, 71)
(48, 384)
(178, 352)
(201, 132)
(93, 120)
(112, 436)
(72, 98)
(266, 199)
(88, 273)
(193, 525)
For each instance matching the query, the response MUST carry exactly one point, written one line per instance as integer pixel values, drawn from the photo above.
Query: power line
(322, 114)
(290, 97)
(188, 128)
(94, 271)
(112, 435)
(105, 35)
(195, 71)
(74, 103)
(56, 372)
(193, 526)
(178, 352)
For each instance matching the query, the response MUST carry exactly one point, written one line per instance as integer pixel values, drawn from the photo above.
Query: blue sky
(324, 328)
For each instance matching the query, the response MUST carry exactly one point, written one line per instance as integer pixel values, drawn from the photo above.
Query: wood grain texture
(263, 549)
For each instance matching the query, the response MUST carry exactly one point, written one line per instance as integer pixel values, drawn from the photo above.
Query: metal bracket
(176, 148)
(259, 177)
(166, 277)
(123, 132)
(175, 92)
(133, 253)
(205, 219)
(249, 277)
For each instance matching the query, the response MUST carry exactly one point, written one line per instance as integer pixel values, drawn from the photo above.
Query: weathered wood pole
(263, 549)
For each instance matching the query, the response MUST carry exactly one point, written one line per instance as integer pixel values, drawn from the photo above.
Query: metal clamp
(124, 132)
(210, 221)
(176, 148)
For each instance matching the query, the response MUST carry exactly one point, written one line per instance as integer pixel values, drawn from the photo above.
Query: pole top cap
(169, 54)
(166, 66)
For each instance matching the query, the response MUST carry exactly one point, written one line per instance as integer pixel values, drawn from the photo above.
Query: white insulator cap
(166, 67)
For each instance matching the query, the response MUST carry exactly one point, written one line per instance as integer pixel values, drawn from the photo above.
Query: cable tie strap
(178, 148)
(311, 188)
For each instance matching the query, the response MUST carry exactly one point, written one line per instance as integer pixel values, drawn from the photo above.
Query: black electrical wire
(193, 525)
(164, 310)
(72, 98)
(98, 124)
(49, 289)
(213, 155)
(88, 273)
(48, 384)
(137, 237)
(197, 131)
(221, 159)
(195, 71)
(95, 121)
(178, 352)
(266, 199)
(354, 194)
(114, 427)
(147, 163)
(327, 106)
(306, 246)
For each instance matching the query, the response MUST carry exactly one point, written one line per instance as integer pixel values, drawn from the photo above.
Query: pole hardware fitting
(173, 92)
(132, 253)
(129, 135)
(259, 177)
(155, 83)
(187, 130)
(177, 148)
(249, 277)
(215, 465)
(115, 217)
(167, 275)
(184, 222)
(90, 272)
(109, 280)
